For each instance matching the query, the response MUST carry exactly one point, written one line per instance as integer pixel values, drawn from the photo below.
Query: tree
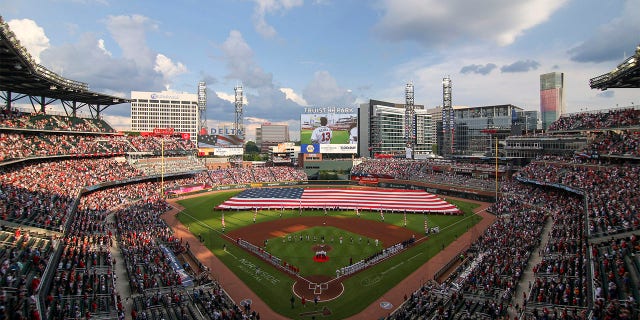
(251, 147)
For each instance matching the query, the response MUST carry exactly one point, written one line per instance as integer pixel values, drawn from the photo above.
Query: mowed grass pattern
(354, 247)
(361, 289)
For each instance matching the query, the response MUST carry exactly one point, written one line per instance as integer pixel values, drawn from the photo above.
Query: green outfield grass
(337, 137)
(274, 287)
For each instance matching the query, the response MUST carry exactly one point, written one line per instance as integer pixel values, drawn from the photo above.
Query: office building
(381, 128)
(166, 109)
(269, 135)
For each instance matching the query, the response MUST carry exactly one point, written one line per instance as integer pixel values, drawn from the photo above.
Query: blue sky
(289, 54)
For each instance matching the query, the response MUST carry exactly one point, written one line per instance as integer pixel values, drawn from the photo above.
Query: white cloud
(264, 7)
(231, 97)
(103, 48)
(226, 96)
(293, 96)
(168, 68)
(31, 36)
(435, 22)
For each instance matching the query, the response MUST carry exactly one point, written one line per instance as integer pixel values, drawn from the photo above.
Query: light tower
(202, 106)
(448, 118)
(409, 119)
(238, 125)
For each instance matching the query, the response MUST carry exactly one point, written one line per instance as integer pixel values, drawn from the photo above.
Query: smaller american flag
(223, 224)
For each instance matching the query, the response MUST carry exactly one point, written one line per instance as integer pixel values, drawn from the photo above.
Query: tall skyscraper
(551, 97)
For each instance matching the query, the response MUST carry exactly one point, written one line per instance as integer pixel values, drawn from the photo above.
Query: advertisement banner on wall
(338, 148)
(227, 152)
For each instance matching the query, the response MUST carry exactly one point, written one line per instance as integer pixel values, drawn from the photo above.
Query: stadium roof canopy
(21, 76)
(625, 75)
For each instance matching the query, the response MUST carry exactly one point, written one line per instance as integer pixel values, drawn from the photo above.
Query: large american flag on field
(341, 198)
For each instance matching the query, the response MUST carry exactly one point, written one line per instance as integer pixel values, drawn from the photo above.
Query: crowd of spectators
(39, 121)
(614, 143)
(617, 268)
(41, 194)
(16, 145)
(562, 278)
(561, 289)
(84, 285)
(485, 282)
(612, 191)
(618, 118)
(221, 177)
(476, 176)
(23, 259)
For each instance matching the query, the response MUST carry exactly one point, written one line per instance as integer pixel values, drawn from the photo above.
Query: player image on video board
(329, 130)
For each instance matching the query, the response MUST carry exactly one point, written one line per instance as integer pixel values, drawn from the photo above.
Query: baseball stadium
(101, 224)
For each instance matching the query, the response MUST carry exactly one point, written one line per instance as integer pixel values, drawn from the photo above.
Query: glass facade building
(382, 129)
(477, 127)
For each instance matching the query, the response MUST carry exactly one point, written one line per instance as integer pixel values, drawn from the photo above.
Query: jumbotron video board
(329, 130)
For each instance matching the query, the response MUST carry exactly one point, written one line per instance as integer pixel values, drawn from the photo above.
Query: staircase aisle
(119, 270)
(528, 277)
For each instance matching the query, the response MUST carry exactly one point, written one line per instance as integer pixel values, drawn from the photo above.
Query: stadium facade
(166, 109)
(552, 104)
(381, 129)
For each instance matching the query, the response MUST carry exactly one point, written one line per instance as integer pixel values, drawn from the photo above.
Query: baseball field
(295, 238)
